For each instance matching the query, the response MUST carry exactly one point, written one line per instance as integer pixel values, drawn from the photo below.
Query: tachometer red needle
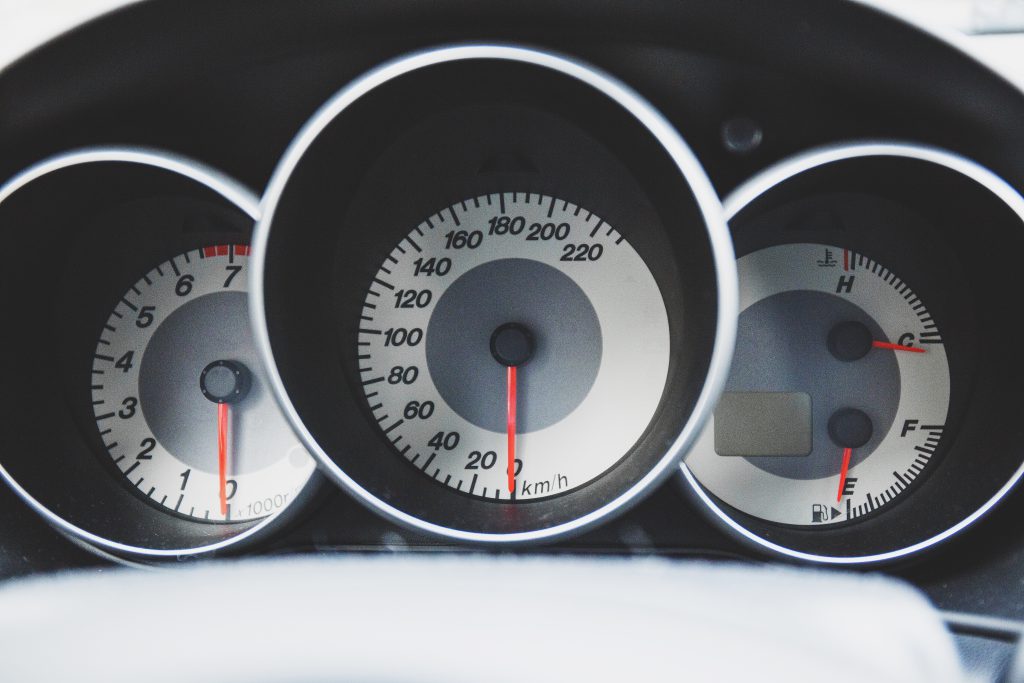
(222, 454)
(847, 452)
(511, 397)
(896, 347)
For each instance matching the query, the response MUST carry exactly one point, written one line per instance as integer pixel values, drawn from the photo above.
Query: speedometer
(503, 316)
(499, 331)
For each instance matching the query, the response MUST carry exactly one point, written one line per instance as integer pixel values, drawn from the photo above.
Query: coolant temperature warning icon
(829, 261)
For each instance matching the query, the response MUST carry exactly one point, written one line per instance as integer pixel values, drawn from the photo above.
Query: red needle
(511, 396)
(222, 454)
(896, 347)
(847, 452)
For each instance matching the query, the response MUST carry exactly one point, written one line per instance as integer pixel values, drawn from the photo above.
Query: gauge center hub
(850, 428)
(512, 344)
(850, 340)
(225, 381)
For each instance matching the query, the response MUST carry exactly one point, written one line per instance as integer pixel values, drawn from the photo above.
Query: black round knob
(850, 428)
(225, 381)
(512, 344)
(849, 341)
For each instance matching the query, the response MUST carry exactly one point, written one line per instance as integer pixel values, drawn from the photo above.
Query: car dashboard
(723, 280)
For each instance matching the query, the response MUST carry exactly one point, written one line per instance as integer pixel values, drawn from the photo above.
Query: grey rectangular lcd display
(751, 423)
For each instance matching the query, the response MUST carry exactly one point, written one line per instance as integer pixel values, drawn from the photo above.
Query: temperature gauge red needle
(896, 347)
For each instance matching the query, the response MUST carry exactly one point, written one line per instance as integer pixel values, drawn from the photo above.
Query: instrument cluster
(507, 316)
(859, 422)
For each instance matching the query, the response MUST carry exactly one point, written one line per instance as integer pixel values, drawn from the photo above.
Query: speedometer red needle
(896, 347)
(511, 399)
(222, 454)
(847, 452)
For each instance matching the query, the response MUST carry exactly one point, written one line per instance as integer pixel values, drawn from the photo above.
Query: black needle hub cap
(512, 344)
(225, 381)
(850, 428)
(849, 341)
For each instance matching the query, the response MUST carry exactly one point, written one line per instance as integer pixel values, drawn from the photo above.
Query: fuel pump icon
(823, 513)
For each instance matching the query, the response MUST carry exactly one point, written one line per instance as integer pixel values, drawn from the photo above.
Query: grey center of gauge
(783, 358)
(201, 335)
(565, 341)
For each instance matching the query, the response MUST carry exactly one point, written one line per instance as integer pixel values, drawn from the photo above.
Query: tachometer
(496, 336)
(159, 438)
(175, 399)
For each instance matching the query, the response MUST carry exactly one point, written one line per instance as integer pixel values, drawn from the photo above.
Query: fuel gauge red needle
(222, 454)
(511, 400)
(847, 452)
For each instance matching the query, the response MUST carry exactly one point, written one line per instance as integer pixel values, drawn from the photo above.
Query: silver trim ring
(231, 190)
(646, 115)
(753, 188)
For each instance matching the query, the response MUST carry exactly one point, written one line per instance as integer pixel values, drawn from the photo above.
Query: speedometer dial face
(839, 390)
(494, 364)
(176, 401)
(513, 346)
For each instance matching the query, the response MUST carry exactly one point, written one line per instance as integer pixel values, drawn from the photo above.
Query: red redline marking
(846, 259)
(847, 452)
(511, 401)
(222, 454)
(896, 347)
(224, 249)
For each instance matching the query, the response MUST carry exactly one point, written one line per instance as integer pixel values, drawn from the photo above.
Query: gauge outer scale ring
(229, 189)
(785, 170)
(708, 203)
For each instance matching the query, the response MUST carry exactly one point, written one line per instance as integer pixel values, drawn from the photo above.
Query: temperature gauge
(838, 394)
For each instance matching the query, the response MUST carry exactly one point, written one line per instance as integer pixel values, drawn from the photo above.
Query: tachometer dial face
(838, 394)
(176, 401)
(513, 346)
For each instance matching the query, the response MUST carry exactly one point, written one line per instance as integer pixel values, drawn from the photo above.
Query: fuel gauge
(838, 394)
